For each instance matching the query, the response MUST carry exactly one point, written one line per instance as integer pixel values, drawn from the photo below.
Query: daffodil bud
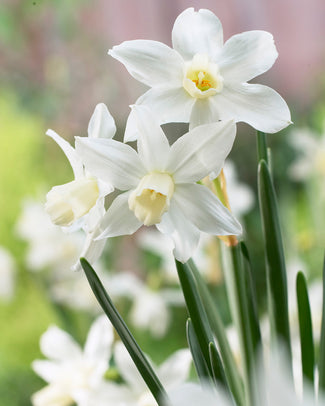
(66, 203)
(151, 199)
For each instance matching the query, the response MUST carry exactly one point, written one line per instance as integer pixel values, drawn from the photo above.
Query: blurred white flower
(48, 246)
(310, 147)
(150, 309)
(80, 203)
(159, 244)
(205, 256)
(192, 394)
(172, 373)
(7, 274)
(203, 80)
(241, 196)
(274, 388)
(72, 373)
(159, 182)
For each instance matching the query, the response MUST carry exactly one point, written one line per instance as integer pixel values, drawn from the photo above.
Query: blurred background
(54, 70)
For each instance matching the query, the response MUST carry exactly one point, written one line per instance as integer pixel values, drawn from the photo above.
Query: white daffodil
(203, 80)
(159, 182)
(72, 373)
(172, 373)
(80, 203)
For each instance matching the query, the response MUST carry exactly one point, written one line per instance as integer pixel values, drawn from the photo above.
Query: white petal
(71, 154)
(204, 111)
(151, 62)
(99, 340)
(111, 161)
(247, 55)
(52, 395)
(128, 370)
(92, 251)
(58, 345)
(184, 234)
(47, 370)
(175, 369)
(101, 124)
(168, 104)
(205, 210)
(201, 151)
(153, 146)
(197, 33)
(119, 219)
(192, 394)
(260, 106)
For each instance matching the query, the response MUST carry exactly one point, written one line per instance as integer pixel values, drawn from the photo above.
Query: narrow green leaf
(198, 359)
(196, 310)
(275, 263)
(252, 303)
(321, 362)
(128, 340)
(305, 328)
(217, 367)
(231, 369)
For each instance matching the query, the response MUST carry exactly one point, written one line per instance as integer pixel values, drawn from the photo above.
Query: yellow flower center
(202, 78)
(151, 199)
(66, 203)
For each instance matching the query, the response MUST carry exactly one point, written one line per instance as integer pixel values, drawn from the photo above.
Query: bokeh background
(55, 69)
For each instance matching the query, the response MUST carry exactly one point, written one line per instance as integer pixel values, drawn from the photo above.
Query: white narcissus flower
(201, 80)
(171, 373)
(159, 181)
(72, 373)
(80, 203)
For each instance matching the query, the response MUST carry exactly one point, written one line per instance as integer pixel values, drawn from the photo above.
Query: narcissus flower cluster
(201, 81)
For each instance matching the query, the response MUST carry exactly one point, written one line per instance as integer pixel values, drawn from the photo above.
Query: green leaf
(305, 328)
(217, 367)
(231, 369)
(275, 263)
(196, 310)
(198, 359)
(252, 303)
(235, 279)
(128, 340)
(321, 362)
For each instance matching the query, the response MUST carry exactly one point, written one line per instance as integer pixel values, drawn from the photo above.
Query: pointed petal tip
(51, 133)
